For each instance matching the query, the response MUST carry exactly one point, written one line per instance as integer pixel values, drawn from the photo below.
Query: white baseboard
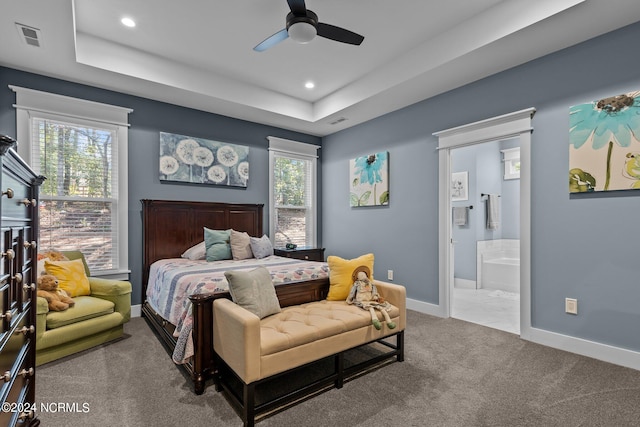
(604, 352)
(464, 283)
(136, 310)
(425, 307)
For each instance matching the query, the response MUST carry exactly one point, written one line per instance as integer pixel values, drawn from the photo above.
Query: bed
(185, 329)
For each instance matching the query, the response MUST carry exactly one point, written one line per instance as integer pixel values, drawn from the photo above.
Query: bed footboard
(202, 366)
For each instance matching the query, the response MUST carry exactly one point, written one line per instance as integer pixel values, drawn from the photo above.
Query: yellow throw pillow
(71, 276)
(341, 274)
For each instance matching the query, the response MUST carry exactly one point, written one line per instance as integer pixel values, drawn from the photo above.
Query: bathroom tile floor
(489, 307)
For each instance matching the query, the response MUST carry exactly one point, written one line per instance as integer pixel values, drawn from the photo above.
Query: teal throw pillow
(217, 243)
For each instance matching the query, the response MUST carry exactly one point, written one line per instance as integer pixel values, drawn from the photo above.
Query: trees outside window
(293, 208)
(79, 199)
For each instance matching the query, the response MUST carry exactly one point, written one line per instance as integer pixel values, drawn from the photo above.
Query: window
(81, 150)
(511, 163)
(292, 187)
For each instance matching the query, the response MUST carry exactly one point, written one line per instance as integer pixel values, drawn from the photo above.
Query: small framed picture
(459, 186)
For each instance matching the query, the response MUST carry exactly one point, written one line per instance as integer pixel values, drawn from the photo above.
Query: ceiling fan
(303, 26)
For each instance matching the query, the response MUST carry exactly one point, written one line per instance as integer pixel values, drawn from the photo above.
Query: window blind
(79, 199)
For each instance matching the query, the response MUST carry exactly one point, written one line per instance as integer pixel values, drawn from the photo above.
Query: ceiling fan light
(302, 32)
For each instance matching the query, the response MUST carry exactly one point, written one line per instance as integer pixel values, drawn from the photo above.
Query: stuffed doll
(57, 299)
(365, 295)
(52, 255)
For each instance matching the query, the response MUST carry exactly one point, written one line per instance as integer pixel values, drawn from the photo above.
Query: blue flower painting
(604, 146)
(196, 160)
(369, 178)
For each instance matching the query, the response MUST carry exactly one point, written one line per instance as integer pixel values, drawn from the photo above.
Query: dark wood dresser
(19, 226)
(305, 253)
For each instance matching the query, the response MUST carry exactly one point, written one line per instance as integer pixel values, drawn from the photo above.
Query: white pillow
(240, 245)
(261, 247)
(196, 252)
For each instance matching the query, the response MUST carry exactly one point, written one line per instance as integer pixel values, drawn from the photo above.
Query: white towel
(492, 206)
(460, 214)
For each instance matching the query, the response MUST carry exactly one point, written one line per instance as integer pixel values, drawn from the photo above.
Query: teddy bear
(364, 294)
(57, 298)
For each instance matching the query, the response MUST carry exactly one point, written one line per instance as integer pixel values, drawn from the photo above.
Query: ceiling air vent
(338, 120)
(29, 35)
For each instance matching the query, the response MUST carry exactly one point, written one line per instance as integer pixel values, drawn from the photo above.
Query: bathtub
(499, 265)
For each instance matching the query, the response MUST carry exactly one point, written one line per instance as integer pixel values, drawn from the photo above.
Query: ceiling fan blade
(297, 7)
(339, 34)
(272, 40)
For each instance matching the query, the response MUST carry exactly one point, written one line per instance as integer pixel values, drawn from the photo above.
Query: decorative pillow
(261, 247)
(71, 276)
(196, 252)
(240, 245)
(254, 291)
(217, 244)
(341, 274)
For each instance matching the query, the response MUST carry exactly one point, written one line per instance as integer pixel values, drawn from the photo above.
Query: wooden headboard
(171, 227)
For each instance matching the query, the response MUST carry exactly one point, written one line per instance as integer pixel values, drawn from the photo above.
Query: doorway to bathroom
(485, 233)
(512, 131)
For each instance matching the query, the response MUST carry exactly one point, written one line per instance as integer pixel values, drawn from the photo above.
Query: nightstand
(301, 252)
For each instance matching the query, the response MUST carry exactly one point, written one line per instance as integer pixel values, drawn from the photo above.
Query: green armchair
(94, 320)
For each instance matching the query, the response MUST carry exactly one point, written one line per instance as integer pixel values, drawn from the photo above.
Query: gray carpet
(454, 374)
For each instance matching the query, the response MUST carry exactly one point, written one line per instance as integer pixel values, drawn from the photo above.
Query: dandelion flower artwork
(185, 150)
(243, 170)
(369, 180)
(203, 161)
(216, 174)
(227, 156)
(168, 165)
(612, 122)
(202, 156)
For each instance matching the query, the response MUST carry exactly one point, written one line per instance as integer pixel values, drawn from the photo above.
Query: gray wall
(147, 120)
(582, 246)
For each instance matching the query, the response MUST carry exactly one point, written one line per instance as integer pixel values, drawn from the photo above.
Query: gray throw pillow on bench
(254, 291)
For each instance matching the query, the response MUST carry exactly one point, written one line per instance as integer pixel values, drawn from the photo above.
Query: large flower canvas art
(203, 161)
(369, 178)
(604, 145)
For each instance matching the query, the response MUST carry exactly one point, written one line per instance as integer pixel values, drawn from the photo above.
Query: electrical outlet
(390, 274)
(571, 305)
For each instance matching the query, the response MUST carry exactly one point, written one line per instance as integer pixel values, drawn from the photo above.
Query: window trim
(303, 151)
(60, 107)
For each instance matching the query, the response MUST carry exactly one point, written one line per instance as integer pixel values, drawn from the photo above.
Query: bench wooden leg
(249, 404)
(339, 369)
(400, 345)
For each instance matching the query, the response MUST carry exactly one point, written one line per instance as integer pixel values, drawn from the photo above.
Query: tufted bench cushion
(255, 349)
(301, 324)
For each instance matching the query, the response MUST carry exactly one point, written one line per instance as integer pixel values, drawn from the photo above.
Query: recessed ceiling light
(309, 85)
(128, 22)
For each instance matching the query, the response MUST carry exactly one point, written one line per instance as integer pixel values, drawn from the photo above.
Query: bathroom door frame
(508, 126)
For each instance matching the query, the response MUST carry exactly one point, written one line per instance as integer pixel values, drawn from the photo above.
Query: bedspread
(173, 281)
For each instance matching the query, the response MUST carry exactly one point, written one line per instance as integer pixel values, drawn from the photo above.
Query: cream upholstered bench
(255, 350)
